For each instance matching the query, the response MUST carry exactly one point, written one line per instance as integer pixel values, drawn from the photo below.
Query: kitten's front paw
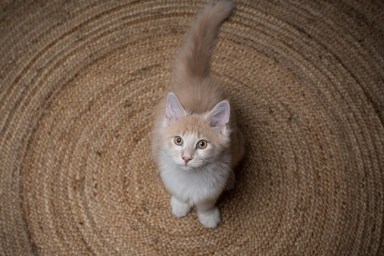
(211, 218)
(179, 208)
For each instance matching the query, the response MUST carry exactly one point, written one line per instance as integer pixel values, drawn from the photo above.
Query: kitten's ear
(219, 115)
(174, 110)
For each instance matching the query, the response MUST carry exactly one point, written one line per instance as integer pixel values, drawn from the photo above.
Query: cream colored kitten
(196, 143)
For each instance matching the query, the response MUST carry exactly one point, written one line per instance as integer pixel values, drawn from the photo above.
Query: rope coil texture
(78, 80)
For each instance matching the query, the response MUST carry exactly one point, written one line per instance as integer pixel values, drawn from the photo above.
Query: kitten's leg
(180, 208)
(231, 181)
(209, 214)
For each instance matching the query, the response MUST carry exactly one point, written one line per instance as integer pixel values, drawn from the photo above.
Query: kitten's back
(192, 83)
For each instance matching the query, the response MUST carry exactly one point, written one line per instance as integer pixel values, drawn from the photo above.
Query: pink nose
(187, 159)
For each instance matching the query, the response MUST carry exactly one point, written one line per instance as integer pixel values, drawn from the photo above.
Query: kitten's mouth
(187, 167)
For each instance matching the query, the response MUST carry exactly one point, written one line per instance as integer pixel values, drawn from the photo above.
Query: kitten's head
(193, 140)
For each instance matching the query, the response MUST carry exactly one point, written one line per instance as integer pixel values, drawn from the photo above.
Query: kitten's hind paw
(179, 208)
(211, 218)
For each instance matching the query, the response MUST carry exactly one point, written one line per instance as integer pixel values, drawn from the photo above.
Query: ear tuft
(174, 110)
(219, 115)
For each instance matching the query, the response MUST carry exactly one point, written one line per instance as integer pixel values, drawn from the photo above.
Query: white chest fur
(194, 185)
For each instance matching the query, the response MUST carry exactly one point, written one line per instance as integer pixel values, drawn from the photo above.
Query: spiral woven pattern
(78, 80)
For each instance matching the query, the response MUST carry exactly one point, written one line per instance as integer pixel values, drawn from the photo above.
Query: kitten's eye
(202, 144)
(178, 141)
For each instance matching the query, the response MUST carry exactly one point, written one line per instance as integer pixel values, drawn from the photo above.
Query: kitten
(196, 143)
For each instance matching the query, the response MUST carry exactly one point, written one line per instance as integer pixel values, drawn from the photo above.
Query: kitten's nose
(187, 159)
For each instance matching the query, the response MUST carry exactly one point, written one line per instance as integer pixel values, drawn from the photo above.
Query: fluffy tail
(193, 59)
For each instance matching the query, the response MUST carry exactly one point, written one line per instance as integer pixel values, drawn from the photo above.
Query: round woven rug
(78, 80)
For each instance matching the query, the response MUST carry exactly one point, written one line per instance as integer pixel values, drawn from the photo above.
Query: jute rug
(78, 80)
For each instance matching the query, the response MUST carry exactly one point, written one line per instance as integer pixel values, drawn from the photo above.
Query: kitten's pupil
(178, 141)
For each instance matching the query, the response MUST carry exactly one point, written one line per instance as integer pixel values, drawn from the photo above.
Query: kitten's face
(191, 149)
(192, 143)
(193, 140)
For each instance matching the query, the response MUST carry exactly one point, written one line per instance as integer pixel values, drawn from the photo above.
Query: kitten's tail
(193, 59)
